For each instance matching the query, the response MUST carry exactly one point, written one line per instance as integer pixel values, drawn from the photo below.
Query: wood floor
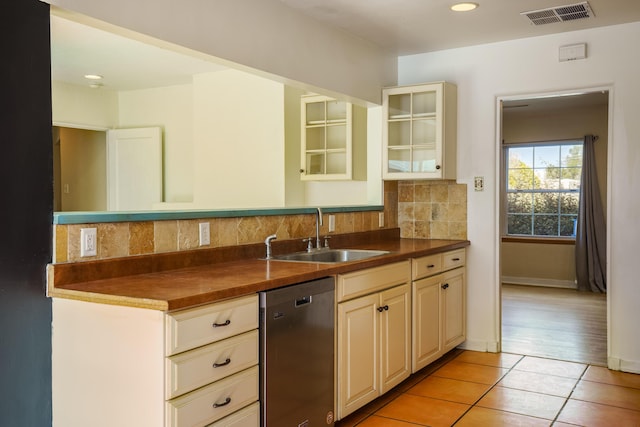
(554, 323)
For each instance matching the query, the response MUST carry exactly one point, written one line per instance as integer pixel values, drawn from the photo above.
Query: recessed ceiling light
(93, 76)
(463, 7)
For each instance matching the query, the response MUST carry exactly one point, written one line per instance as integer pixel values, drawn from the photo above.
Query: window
(543, 188)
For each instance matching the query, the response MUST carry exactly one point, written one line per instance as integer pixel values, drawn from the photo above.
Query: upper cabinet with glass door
(326, 139)
(419, 132)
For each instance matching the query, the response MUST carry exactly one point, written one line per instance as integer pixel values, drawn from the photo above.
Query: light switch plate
(332, 223)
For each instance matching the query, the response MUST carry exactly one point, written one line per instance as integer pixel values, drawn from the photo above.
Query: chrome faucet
(267, 242)
(318, 225)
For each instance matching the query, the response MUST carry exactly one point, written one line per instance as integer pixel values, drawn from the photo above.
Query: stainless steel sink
(329, 255)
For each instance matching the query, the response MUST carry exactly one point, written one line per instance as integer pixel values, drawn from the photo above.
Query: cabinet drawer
(426, 266)
(196, 368)
(196, 327)
(247, 417)
(362, 282)
(211, 403)
(453, 259)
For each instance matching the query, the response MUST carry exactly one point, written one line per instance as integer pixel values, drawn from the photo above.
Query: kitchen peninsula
(125, 330)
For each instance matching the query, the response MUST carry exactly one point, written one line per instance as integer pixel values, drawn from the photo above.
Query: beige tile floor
(467, 388)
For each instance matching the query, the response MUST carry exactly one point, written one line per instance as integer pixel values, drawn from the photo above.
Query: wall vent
(569, 12)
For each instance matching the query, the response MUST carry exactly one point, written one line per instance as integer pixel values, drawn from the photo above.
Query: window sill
(543, 240)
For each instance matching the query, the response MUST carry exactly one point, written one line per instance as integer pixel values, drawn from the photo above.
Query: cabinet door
(419, 131)
(426, 322)
(326, 139)
(395, 334)
(454, 308)
(357, 353)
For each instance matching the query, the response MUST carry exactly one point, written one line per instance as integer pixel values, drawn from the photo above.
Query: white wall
(223, 140)
(238, 141)
(171, 108)
(81, 105)
(261, 34)
(529, 66)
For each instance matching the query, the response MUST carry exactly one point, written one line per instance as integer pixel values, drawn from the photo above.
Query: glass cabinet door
(326, 138)
(413, 131)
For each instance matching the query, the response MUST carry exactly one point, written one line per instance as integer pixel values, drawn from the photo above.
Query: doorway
(107, 170)
(542, 313)
(79, 169)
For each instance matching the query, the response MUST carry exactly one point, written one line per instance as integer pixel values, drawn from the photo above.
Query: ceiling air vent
(568, 12)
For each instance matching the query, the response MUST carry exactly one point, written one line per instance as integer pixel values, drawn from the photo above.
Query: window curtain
(591, 268)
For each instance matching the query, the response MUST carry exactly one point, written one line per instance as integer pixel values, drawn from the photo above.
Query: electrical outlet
(380, 219)
(205, 236)
(88, 242)
(332, 223)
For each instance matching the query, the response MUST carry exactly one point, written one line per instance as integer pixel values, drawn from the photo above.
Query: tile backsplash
(432, 209)
(122, 239)
(422, 209)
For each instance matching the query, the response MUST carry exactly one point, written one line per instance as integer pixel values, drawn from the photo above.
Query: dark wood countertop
(179, 288)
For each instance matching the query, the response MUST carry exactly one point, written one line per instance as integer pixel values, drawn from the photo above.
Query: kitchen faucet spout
(267, 242)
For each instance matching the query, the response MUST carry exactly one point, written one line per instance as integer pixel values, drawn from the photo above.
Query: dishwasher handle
(303, 301)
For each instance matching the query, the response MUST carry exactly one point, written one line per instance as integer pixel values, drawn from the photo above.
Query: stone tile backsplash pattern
(422, 209)
(122, 239)
(432, 209)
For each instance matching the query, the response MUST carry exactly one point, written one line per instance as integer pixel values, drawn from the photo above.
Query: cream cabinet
(438, 306)
(212, 363)
(127, 366)
(333, 142)
(419, 131)
(374, 325)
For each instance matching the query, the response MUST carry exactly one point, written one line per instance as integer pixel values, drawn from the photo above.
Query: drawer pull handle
(225, 403)
(445, 286)
(219, 325)
(455, 259)
(225, 363)
(430, 266)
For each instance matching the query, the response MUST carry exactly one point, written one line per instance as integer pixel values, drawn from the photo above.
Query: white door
(134, 168)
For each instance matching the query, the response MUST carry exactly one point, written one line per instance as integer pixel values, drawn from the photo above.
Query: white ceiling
(415, 26)
(403, 26)
(553, 104)
(125, 64)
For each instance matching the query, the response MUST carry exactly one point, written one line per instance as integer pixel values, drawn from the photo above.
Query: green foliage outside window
(543, 184)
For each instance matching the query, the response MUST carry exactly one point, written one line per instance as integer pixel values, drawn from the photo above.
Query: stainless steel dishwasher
(297, 355)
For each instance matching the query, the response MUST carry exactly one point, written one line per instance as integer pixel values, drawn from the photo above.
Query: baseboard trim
(616, 364)
(534, 281)
(482, 346)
